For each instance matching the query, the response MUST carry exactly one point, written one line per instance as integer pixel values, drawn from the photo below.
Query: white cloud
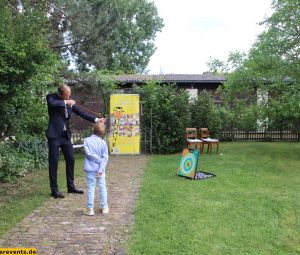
(196, 30)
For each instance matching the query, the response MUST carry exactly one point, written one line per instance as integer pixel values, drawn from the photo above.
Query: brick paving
(59, 227)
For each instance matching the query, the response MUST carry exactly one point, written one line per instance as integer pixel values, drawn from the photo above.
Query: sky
(196, 30)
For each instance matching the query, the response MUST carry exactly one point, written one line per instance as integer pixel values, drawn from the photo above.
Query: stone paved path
(59, 227)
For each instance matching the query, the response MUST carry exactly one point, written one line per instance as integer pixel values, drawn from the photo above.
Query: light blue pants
(91, 180)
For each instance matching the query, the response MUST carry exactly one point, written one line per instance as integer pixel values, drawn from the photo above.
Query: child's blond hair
(99, 129)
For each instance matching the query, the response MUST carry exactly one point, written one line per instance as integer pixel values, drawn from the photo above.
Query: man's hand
(102, 120)
(70, 102)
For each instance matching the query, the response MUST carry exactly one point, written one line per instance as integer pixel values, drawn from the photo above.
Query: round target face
(188, 163)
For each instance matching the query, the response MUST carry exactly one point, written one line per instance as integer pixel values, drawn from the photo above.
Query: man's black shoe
(57, 195)
(77, 191)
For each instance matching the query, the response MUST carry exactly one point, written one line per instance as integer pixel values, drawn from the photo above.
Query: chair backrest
(191, 133)
(204, 133)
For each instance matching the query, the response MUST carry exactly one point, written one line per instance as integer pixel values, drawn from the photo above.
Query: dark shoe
(77, 191)
(57, 195)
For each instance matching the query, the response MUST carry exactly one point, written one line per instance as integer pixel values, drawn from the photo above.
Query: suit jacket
(57, 116)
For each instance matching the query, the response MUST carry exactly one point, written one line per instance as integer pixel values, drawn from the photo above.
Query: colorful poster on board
(124, 137)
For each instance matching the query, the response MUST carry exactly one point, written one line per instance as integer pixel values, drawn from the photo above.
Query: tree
(215, 65)
(99, 34)
(204, 113)
(105, 34)
(282, 35)
(272, 69)
(27, 66)
(234, 61)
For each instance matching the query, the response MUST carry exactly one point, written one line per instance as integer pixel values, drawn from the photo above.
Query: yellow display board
(124, 135)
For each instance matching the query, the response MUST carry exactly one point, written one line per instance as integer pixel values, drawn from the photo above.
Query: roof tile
(205, 77)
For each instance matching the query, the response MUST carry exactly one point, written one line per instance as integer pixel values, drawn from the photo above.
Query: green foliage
(272, 69)
(204, 113)
(99, 34)
(215, 65)
(235, 60)
(167, 110)
(282, 35)
(13, 163)
(37, 149)
(111, 34)
(26, 68)
(19, 158)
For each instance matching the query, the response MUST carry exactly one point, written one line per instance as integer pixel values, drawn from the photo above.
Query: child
(96, 158)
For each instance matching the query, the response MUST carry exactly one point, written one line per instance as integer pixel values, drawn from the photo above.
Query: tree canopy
(27, 65)
(270, 70)
(100, 34)
(115, 34)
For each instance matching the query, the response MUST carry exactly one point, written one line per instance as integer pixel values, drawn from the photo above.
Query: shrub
(12, 163)
(204, 112)
(19, 158)
(37, 149)
(167, 110)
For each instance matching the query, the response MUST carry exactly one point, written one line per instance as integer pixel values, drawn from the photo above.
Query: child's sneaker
(105, 210)
(88, 211)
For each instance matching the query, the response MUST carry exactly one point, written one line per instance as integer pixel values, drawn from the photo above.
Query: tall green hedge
(168, 110)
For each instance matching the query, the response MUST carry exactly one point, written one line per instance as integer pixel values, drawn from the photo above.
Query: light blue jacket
(96, 154)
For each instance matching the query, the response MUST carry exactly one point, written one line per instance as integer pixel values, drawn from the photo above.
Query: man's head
(64, 92)
(99, 129)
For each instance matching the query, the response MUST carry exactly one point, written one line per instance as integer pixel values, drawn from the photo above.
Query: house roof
(206, 77)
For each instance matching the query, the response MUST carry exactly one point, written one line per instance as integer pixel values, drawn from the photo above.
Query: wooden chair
(192, 139)
(204, 135)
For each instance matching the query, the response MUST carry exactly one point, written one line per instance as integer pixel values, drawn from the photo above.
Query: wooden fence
(257, 136)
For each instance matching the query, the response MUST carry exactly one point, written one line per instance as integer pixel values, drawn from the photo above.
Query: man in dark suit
(60, 108)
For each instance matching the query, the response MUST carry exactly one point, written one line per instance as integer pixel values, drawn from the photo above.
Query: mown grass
(21, 197)
(252, 206)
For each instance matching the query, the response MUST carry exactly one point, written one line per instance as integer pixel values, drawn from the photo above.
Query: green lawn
(252, 206)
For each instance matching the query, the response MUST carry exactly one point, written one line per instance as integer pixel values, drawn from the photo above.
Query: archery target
(188, 163)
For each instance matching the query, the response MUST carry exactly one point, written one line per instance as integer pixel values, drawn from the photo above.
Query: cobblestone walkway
(59, 227)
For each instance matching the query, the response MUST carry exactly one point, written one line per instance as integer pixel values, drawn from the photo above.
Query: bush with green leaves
(13, 164)
(244, 115)
(167, 109)
(204, 113)
(19, 158)
(37, 149)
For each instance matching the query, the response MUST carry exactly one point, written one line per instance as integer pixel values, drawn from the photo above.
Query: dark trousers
(66, 146)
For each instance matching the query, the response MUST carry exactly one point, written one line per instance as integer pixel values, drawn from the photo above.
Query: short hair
(99, 129)
(62, 88)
